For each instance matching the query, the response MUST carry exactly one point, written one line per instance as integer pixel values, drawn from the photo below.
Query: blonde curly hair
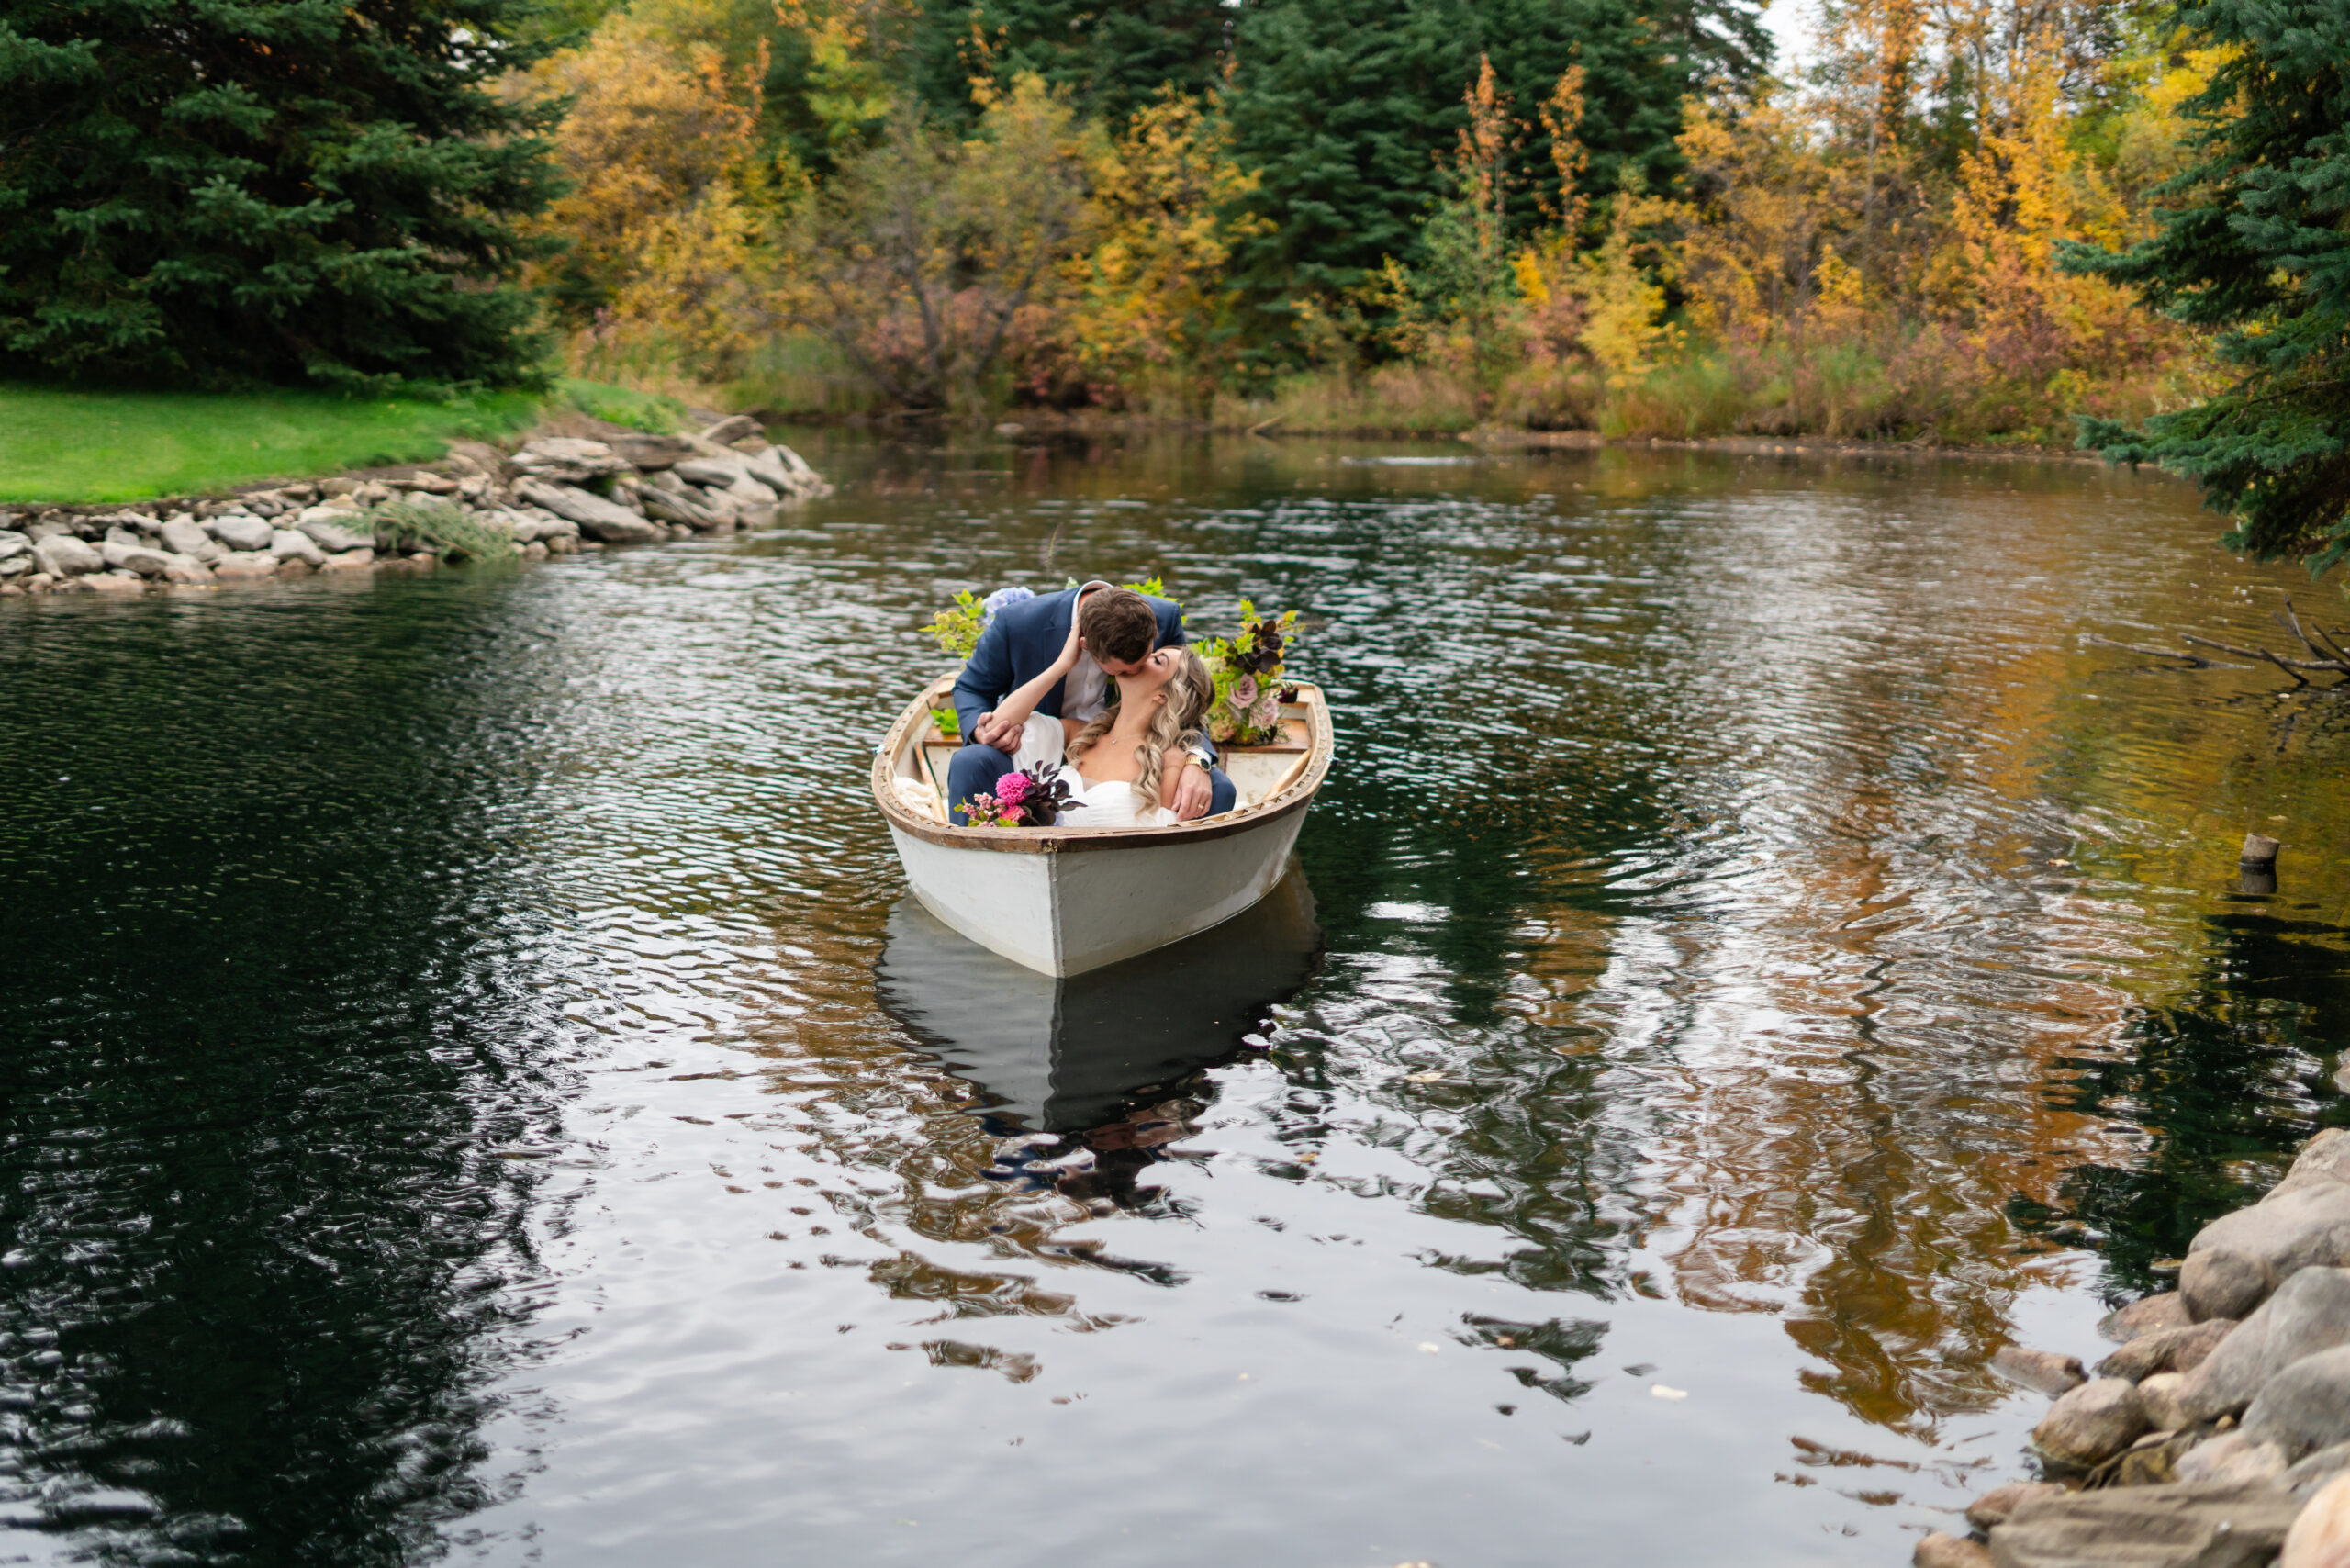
(1174, 726)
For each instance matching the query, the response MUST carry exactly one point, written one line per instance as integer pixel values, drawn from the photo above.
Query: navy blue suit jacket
(1021, 643)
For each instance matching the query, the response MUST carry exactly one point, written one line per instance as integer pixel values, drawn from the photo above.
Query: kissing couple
(1099, 677)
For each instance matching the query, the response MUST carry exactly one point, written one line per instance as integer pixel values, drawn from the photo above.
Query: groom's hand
(1191, 794)
(993, 731)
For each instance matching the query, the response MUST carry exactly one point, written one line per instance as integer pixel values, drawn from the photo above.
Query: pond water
(474, 1087)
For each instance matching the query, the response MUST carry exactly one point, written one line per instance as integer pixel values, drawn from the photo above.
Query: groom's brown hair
(1117, 624)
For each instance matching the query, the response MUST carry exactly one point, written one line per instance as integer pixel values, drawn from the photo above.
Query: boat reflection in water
(1110, 1059)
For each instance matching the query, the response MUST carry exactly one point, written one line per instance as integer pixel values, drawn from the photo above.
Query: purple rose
(1012, 789)
(1244, 693)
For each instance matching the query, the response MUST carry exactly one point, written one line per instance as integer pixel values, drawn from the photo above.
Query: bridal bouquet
(1247, 670)
(1034, 797)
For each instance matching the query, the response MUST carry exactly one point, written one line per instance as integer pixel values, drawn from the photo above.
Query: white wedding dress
(1113, 802)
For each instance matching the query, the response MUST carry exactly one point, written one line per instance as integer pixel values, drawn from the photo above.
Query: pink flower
(1243, 692)
(1012, 789)
(1268, 712)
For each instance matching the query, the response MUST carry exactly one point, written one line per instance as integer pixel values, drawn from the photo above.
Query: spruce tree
(218, 191)
(2254, 244)
(1111, 56)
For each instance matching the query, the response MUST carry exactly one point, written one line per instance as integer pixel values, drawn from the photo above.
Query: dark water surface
(475, 1088)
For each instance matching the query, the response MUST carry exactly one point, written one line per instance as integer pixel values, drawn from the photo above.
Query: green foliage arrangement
(441, 525)
(2254, 246)
(216, 192)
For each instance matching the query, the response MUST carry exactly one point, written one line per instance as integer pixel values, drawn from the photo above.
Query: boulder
(730, 475)
(2303, 1223)
(2325, 1157)
(2049, 1372)
(567, 460)
(2232, 1459)
(1994, 1507)
(113, 582)
(347, 560)
(2143, 1317)
(2147, 1526)
(333, 534)
(2316, 1471)
(1939, 1550)
(2092, 1423)
(2223, 1282)
(240, 531)
(787, 473)
(184, 537)
(245, 563)
(144, 559)
(651, 452)
(2306, 1406)
(62, 556)
(2166, 1350)
(597, 518)
(668, 506)
(13, 545)
(734, 427)
(2321, 1534)
(2163, 1395)
(288, 545)
(16, 566)
(2310, 1312)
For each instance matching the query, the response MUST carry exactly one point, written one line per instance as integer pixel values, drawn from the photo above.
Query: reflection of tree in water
(258, 1216)
(2225, 1083)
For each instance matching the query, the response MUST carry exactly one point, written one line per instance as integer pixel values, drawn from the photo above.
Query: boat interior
(1257, 772)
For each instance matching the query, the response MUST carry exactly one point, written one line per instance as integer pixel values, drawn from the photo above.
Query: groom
(1120, 628)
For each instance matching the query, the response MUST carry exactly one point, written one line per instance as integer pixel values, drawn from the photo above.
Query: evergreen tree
(1111, 56)
(231, 190)
(2256, 247)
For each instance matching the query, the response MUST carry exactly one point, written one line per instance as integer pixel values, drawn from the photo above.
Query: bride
(1123, 758)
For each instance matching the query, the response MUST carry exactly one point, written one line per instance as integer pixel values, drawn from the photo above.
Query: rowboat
(1071, 1055)
(1066, 899)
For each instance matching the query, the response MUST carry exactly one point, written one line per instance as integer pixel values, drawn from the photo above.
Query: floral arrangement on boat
(1247, 670)
(1034, 797)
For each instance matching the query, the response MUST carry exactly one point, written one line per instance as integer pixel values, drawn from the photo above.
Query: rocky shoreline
(2218, 1434)
(552, 496)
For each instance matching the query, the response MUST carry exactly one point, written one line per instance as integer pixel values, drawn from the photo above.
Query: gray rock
(240, 532)
(2166, 1349)
(2044, 1369)
(2306, 1406)
(2325, 1157)
(2224, 1282)
(650, 453)
(599, 519)
(730, 474)
(347, 560)
(1940, 1551)
(16, 566)
(186, 538)
(2143, 1317)
(333, 535)
(2147, 1527)
(2320, 1533)
(567, 459)
(1994, 1507)
(2314, 1471)
(2092, 1423)
(2310, 1312)
(734, 427)
(62, 556)
(668, 507)
(787, 473)
(113, 582)
(288, 545)
(245, 563)
(13, 544)
(2232, 1459)
(2163, 1397)
(2303, 1223)
(188, 569)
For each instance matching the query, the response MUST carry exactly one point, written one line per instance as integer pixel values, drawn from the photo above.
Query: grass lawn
(66, 445)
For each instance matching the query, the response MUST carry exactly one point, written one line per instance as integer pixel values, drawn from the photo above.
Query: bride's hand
(1070, 649)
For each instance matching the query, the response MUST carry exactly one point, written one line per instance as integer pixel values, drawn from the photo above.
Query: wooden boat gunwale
(1295, 793)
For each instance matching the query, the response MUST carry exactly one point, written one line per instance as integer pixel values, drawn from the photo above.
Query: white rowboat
(1067, 899)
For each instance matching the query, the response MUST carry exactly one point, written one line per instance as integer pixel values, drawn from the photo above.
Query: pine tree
(1111, 56)
(217, 191)
(2255, 246)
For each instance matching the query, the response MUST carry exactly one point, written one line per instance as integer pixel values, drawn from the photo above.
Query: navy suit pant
(974, 770)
